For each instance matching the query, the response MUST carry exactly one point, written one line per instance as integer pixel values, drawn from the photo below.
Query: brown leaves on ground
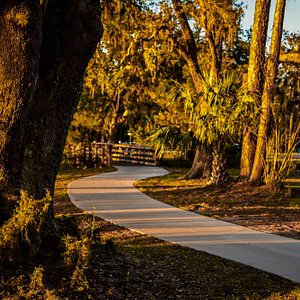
(127, 265)
(257, 207)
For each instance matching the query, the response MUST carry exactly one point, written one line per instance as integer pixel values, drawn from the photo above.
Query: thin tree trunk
(20, 39)
(190, 51)
(258, 48)
(269, 87)
(255, 78)
(202, 159)
(247, 155)
(216, 61)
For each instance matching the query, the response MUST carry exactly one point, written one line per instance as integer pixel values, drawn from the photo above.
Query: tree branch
(290, 58)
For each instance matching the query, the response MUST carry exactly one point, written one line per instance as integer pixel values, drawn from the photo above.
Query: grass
(123, 264)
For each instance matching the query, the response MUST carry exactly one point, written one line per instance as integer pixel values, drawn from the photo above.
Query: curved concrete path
(112, 196)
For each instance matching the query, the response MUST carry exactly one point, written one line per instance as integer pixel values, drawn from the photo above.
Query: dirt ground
(256, 207)
(128, 265)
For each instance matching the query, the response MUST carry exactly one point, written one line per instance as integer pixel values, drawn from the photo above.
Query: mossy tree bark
(255, 79)
(20, 40)
(41, 81)
(71, 32)
(268, 91)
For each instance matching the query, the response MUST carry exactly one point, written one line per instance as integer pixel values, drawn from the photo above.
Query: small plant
(76, 259)
(36, 282)
(279, 161)
(20, 235)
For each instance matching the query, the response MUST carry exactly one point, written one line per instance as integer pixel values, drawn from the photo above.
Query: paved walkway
(112, 196)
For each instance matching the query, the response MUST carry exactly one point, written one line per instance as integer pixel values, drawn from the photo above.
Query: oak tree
(45, 48)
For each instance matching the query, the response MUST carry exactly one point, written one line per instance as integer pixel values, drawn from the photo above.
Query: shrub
(20, 235)
(76, 259)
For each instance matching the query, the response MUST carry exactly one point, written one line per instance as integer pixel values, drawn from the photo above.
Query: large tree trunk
(44, 51)
(20, 39)
(255, 78)
(201, 167)
(70, 34)
(269, 87)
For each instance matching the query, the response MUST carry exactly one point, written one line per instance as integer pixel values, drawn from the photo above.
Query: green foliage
(36, 282)
(171, 138)
(283, 139)
(216, 113)
(118, 77)
(76, 259)
(20, 235)
(30, 286)
(218, 18)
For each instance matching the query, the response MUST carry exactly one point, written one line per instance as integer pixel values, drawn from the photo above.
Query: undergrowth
(20, 235)
(99, 260)
(25, 270)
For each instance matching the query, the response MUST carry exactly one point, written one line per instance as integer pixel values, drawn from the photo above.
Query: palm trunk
(219, 170)
(269, 87)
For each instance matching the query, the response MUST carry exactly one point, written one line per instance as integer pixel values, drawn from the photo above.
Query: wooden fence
(133, 154)
(104, 154)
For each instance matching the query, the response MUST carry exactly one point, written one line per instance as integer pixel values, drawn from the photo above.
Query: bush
(20, 235)
(76, 259)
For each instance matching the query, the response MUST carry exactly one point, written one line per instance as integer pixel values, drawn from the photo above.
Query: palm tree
(213, 117)
(171, 138)
(216, 117)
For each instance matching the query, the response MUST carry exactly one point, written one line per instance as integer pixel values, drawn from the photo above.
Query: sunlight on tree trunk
(201, 167)
(255, 79)
(20, 39)
(268, 92)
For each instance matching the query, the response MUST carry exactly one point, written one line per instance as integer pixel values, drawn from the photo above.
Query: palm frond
(169, 138)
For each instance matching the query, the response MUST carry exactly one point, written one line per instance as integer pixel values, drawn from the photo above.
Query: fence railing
(133, 154)
(104, 154)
